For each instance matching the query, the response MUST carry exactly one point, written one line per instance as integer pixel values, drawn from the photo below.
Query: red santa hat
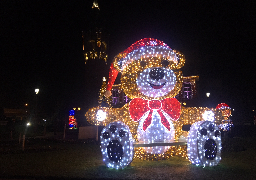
(222, 106)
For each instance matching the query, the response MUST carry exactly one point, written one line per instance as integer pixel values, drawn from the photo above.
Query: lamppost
(208, 99)
(37, 92)
(24, 135)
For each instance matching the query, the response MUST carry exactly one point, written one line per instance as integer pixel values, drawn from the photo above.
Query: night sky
(41, 46)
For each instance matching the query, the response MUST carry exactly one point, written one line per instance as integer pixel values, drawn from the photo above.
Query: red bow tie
(138, 107)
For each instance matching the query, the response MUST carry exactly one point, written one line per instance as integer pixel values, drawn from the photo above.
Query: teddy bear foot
(116, 145)
(204, 144)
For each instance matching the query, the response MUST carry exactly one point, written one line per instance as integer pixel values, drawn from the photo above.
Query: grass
(48, 159)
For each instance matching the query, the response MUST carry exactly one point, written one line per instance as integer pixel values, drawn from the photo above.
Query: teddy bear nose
(156, 74)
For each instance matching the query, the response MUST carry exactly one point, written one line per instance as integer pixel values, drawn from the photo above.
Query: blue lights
(71, 112)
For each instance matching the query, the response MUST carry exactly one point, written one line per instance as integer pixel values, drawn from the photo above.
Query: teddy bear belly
(156, 132)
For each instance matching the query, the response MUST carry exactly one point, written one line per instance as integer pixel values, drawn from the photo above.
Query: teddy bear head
(150, 70)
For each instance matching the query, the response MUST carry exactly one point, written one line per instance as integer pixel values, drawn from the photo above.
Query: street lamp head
(208, 94)
(36, 91)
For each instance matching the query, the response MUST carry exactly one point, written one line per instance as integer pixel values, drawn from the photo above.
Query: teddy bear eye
(165, 63)
(142, 63)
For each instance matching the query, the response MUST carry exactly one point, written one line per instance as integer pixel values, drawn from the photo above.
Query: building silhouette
(95, 52)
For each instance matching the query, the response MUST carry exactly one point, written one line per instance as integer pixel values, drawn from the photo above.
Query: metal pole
(97, 133)
(23, 142)
(19, 138)
(64, 134)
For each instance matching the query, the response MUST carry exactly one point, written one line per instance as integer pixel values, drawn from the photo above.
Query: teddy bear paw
(204, 144)
(116, 145)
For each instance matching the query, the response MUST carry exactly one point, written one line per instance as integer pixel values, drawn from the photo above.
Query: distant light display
(226, 124)
(72, 122)
(71, 112)
(226, 110)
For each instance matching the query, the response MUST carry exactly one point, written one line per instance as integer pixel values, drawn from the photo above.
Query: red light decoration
(112, 77)
(226, 110)
(169, 106)
(72, 122)
(144, 42)
(222, 106)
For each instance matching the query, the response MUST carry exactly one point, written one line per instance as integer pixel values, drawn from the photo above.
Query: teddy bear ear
(180, 58)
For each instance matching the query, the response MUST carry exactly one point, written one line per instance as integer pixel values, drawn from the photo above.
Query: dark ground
(55, 158)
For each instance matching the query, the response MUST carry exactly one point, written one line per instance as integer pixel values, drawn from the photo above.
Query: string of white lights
(116, 145)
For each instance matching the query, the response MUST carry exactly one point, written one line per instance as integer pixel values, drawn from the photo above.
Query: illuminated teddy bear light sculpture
(151, 79)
